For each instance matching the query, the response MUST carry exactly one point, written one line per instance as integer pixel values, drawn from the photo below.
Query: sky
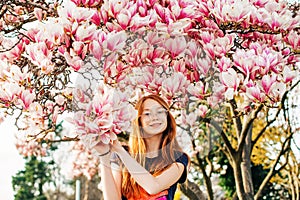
(10, 160)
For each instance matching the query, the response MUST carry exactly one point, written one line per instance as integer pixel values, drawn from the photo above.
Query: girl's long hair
(137, 148)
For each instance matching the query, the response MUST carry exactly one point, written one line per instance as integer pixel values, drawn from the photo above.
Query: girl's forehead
(150, 103)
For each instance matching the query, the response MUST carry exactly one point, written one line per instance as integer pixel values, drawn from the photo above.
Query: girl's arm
(111, 176)
(150, 183)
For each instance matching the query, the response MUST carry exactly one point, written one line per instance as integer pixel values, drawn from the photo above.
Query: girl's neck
(153, 145)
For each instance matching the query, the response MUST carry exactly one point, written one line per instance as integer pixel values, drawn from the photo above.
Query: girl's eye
(146, 114)
(160, 112)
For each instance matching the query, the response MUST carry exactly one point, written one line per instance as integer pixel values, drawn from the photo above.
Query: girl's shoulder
(181, 157)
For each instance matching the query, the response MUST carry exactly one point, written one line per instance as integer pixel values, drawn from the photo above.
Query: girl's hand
(116, 146)
(102, 149)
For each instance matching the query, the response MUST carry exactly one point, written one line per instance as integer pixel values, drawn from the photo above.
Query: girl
(154, 162)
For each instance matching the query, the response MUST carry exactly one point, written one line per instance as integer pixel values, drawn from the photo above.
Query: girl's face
(154, 117)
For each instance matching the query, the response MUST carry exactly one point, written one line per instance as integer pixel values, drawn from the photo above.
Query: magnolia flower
(59, 99)
(85, 32)
(197, 91)
(288, 75)
(224, 63)
(255, 94)
(268, 83)
(176, 46)
(26, 98)
(237, 10)
(74, 61)
(38, 13)
(174, 85)
(9, 91)
(293, 39)
(202, 110)
(124, 19)
(73, 13)
(115, 41)
(230, 79)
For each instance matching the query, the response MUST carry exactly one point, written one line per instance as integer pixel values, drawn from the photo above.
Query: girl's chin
(152, 133)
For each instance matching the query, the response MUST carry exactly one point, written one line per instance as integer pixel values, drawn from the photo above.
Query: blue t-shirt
(180, 158)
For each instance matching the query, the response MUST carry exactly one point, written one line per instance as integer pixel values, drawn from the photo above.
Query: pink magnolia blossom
(278, 91)
(124, 19)
(224, 64)
(41, 56)
(288, 75)
(193, 48)
(202, 111)
(153, 38)
(174, 85)
(84, 32)
(96, 18)
(268, 83)
(179, 66)
(38, 13)
(217, 94)
(141, 8)
(36, 110)
(15, 52)
(176, 46)
(280, 20)
(9, 91)
(255, 94)
(27, 98)
(165, 14)
(182, 9)
(116, 6)
(230, 78)
(245, 62)
(115, 41)
(149, 79)
(29, 148)
(106, 115)
(197, 91)
(59, 99)
(96, 49)
(203, 65)
(72, 13)
(79, 49)
(74, 61)
(223, 45)
(157, 56)
(85, 162)
(293, 39)
(189, 119)
(236, 10)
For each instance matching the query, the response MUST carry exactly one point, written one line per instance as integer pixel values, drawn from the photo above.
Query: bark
(207, 181)
(192, 191)
(239, 181)
(246, 166)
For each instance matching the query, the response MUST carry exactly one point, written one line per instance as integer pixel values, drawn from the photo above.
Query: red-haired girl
(154, 163)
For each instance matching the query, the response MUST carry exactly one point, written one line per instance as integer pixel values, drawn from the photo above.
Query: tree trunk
(239, 181)
(246, 166)
(192, 191)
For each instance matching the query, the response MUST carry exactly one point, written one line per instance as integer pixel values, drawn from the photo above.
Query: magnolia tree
(88, 62)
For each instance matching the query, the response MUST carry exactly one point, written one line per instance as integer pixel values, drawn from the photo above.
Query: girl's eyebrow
(155, 108)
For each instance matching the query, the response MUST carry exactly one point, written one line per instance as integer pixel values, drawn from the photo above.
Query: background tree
(28, 183)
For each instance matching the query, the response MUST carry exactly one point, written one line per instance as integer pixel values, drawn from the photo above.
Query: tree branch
(228, 145)
(246, 128)
(273, 170)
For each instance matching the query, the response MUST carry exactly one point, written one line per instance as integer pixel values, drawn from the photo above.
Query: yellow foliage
(177, 194)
